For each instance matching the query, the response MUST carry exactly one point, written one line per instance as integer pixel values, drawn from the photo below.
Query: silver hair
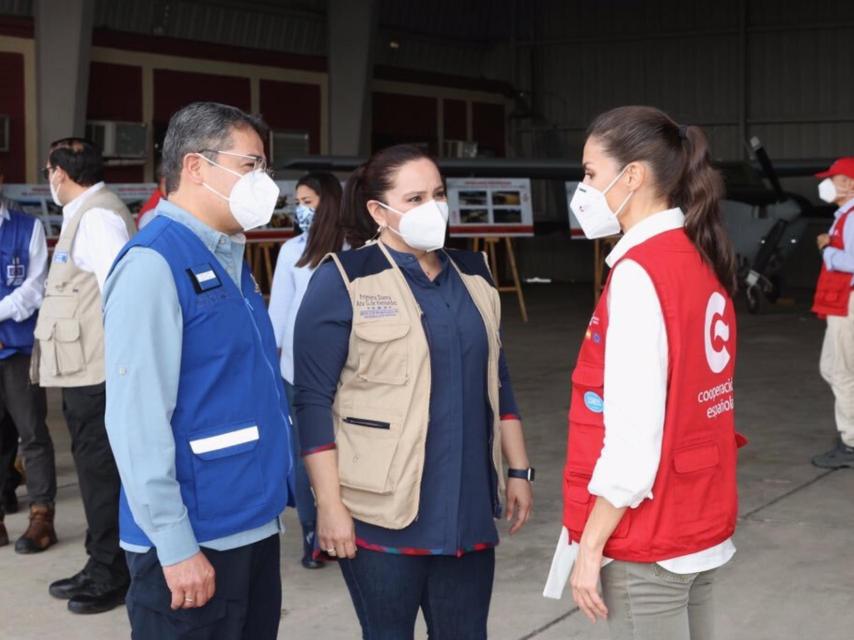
(200, 126)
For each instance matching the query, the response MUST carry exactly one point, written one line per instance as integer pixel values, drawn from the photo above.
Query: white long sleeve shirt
(24, 301)
(841, 259)
(101, 236)
(636, 362)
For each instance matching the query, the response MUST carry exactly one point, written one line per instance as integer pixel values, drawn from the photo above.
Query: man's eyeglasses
(46, 172)
(260, 163)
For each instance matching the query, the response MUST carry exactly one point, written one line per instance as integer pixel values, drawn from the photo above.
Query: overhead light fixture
(393, 44)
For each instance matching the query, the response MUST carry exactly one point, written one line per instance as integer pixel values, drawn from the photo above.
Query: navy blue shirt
(459, 494)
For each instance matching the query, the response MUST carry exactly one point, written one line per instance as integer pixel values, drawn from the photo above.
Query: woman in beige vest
(404, 407)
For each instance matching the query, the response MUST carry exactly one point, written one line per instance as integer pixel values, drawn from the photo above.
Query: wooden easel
(601, 248)
(490, 246)
(260, 259)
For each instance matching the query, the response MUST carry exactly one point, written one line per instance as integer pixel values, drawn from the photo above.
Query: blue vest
(232, 439)
(15, 236)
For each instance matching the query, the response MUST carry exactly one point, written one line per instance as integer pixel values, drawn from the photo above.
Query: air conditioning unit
(286, 145)
(4, 133)
(119, 139)
(459, 149)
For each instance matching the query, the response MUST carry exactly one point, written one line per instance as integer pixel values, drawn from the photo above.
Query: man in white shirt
(23, 266)
(70, 348)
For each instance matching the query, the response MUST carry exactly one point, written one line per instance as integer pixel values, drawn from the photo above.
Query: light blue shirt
(143, 334)
(289, 285)
(838, 259)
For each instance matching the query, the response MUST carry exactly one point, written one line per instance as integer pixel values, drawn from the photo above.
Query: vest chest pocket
(383, 352)
(579, 504)
(60, 344)
(367, 441)
(227, 458)
(698, 484)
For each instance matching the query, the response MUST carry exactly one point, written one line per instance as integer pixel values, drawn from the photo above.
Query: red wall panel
(292, 106)
(176, 89)
(400, 119)
(118, 175)
(455, 119)
(12, 162)
(115, 92)
(488, 127)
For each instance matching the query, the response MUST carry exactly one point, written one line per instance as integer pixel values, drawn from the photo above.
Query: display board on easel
(490, 207)
(492, 211)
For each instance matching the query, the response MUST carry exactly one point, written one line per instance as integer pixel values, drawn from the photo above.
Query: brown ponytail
(702, 188)
(681, 164)
(371, 181)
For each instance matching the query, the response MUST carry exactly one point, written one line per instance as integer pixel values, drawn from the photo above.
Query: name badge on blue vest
(204, 278)
(15, 273)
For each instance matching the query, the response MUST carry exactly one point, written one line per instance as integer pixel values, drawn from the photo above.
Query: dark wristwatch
(523, 474)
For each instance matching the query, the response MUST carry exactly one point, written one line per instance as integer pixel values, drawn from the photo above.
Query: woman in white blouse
(650, 499)
(317, 215)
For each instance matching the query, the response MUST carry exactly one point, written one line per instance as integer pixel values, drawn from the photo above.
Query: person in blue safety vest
(23, 269)
(196, 411)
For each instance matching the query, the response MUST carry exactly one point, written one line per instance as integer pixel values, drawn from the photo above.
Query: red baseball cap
(841, 167)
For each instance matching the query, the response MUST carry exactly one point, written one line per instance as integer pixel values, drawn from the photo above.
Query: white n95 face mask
(827, 190)
(590, 207)
(54, 194)
(423, 227)
(252, 199)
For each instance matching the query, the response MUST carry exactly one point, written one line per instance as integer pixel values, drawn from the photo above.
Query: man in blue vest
(23, 268)
(196, 409)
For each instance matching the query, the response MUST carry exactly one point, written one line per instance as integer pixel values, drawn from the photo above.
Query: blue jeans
(388, 590)
(306, 507)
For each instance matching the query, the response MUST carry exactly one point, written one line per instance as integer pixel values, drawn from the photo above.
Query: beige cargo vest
(69, 348)
(382, 408)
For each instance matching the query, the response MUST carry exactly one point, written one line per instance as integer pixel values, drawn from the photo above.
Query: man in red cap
(834, 301)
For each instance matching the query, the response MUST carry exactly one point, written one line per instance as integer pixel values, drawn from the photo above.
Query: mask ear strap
(625, 202)
(614, 181)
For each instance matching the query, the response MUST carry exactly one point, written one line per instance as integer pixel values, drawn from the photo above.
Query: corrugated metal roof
(21, 8)
(297, 26)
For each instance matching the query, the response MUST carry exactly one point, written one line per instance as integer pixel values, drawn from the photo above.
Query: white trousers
(837, 368)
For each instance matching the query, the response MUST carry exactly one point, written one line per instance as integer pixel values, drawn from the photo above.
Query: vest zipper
(363, 422)
(251, 311)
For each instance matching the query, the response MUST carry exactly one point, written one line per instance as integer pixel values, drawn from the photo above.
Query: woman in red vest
(650, 498)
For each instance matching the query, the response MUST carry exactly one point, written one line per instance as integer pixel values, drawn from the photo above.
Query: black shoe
(69, 587)
(10, 502)
(839, 457)
(308, 559)
(98, 598)
(9, 498)
(310, 563)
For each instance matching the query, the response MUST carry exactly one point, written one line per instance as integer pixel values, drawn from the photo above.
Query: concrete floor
(793, 577)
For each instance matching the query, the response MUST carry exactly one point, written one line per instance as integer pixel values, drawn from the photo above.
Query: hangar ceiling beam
(351, 36)
(63, 34)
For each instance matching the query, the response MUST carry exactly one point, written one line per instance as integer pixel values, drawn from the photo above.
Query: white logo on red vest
(716, 329)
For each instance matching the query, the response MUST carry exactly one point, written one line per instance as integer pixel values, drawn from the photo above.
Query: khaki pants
(837, 368)
(647, 602)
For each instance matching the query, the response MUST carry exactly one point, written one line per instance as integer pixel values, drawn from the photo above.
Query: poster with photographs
(481, 207)
(36, 200)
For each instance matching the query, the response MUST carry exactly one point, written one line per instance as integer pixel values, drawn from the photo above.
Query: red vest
(834, 287)
(694, 503)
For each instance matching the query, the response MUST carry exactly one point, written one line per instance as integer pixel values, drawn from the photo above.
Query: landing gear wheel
(754, 298)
